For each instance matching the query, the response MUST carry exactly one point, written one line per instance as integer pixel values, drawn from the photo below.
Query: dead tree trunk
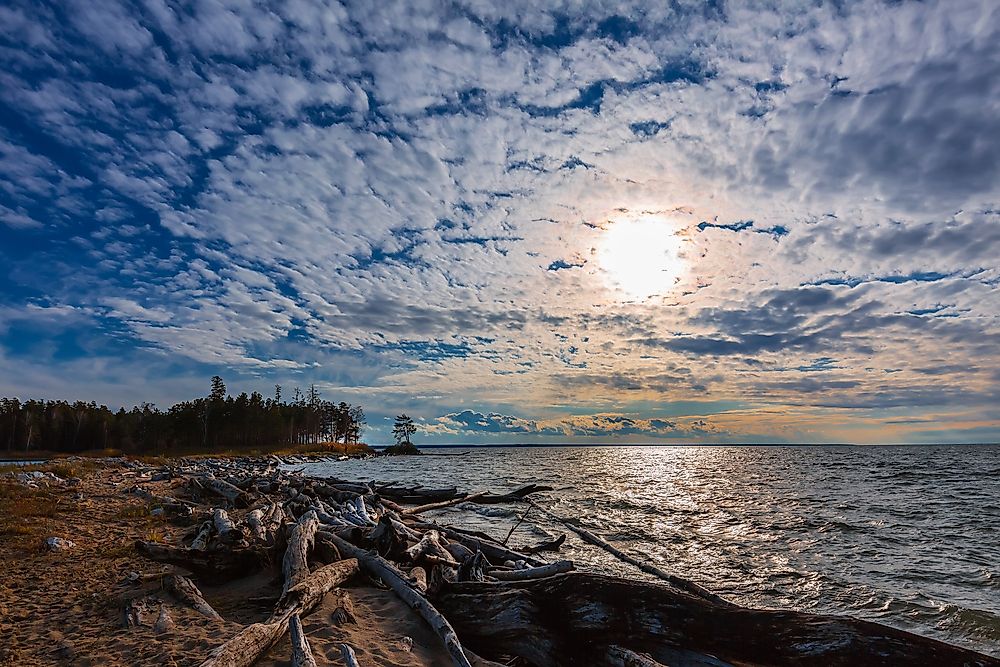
(222, 564)
(246, 647)
(559, 567)
(575, 619)
(230, 492)
(395, 580)
(295, 563)
(185, 591)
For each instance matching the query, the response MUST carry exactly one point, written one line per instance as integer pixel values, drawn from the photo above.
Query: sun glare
(640, 256)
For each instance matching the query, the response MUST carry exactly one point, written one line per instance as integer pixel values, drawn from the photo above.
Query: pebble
(58, 544)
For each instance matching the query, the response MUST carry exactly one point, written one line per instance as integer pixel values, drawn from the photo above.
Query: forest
(217, 422)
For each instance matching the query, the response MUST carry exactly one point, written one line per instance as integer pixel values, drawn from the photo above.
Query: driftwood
(559, 567)
(550, 545)
(255, 522)
(441, 505)
(225, 527)
(234, 494)
(517, 495)
(574, 619)
(295, 565)
(380, 568)
(347, 655)
(418, 576)
(430, 548)
(200, 542)
(506, 604)
(221, 564)
(246, 647)
(623, 657)
(390, 537)
(496, 552)
(185, 591)
(301, 653)
(169, 504)
(418, 495)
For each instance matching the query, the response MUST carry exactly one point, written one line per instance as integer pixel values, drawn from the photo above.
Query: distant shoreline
(679, 445)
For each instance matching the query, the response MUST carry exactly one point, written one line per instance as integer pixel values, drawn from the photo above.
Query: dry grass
(62, 468)
(23, 510)
(132, 512)
(335, 448)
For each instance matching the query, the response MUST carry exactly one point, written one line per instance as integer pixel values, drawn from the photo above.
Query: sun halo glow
(640, 257)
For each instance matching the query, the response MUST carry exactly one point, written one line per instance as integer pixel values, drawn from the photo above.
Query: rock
(55, 544)
(406, 643)
(67, 650)
(163, 622)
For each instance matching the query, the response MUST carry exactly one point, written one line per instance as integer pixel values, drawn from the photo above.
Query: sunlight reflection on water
(906, 536)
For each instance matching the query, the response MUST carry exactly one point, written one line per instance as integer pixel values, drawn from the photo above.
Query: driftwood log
(559, 567)
(447, 503)
(295, 564)
(301, 652)
(577, 619)
(246, 647)
(347, 655)
(185, 591)
(234, 494)
(200, 542)
(220, 564)
(394, 579)
(496, 552)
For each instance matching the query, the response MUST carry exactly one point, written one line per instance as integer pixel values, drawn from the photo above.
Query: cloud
(402, 201)
(597, 426)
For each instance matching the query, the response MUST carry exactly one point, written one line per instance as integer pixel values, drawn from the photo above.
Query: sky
(683, 222)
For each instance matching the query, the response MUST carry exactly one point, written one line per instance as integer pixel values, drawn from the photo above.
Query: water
(906, 536)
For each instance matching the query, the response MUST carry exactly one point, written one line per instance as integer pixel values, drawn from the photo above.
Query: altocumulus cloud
(402, 204)
(471, 423)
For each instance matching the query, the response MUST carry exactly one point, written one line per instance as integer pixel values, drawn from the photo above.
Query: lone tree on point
(402, 429)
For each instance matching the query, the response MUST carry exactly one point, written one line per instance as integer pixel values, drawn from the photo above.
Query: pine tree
(403, 429)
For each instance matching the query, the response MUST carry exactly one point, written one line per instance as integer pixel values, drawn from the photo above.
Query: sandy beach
(66, 608)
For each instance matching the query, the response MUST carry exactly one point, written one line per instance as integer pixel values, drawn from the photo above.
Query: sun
(640, 256)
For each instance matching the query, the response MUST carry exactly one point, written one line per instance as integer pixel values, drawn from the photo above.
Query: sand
(67, 608)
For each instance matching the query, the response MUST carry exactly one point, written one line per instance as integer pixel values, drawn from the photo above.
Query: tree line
(216, 422)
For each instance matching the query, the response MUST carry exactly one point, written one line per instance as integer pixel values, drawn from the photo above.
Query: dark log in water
(577, 619)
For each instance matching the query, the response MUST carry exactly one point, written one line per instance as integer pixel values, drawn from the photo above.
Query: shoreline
(57, 605)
